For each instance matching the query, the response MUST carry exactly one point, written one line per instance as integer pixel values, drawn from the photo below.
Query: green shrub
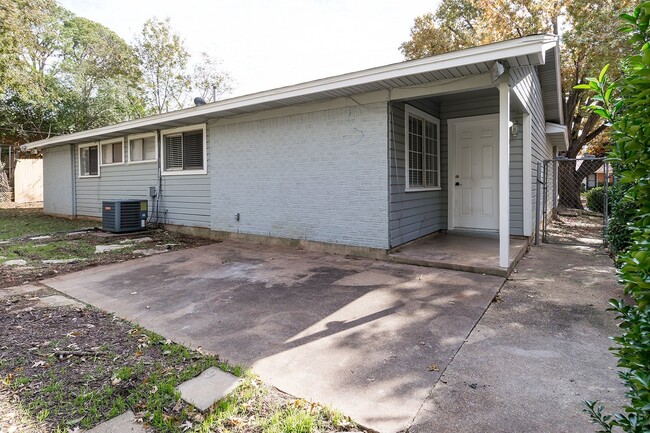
(618, 232)
(596, 199)
(624, 105)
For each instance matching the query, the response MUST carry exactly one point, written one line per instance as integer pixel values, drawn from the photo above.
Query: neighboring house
(598, 178)
(370, 159)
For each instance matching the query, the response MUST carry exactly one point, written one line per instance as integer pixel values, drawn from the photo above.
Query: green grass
(17, 223)
(30, 250)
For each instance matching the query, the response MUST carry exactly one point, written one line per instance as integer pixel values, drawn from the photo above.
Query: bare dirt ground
(66, 366)
(26, 234)
(576, 228)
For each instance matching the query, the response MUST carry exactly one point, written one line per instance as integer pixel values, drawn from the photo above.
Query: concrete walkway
(537, 353)
(372, 338)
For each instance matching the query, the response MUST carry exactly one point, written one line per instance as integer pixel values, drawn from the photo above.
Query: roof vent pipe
(199, 101)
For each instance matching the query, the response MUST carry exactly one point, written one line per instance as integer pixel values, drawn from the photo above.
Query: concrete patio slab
(537, 353)
(124, 423)
(208, 387)
(360, 335)
(460, 253)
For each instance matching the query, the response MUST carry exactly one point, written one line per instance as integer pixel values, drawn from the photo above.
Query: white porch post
(528, 176)
(504, 172)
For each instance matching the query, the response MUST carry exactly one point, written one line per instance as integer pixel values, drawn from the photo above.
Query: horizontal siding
(185, 199)
(481, 103)
(413, 214)
(526, 85)
(116, 182)
(182, 199)
(516, 181)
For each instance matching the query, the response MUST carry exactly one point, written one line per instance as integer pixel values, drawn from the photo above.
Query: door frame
(451, 165)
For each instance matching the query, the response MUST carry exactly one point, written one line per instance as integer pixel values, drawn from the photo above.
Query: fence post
(606, 204)
(538, 200)
(555, 183)
(545, 202)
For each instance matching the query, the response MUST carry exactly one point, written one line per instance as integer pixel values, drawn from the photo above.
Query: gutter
(530, 45)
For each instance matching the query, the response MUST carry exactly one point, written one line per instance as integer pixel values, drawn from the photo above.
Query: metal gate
(572, 198)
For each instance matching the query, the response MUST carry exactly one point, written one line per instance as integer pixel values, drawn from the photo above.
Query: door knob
(458, 184)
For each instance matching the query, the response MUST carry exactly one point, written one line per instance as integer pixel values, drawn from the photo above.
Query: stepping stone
(58, 301)
(17, 262)
(124, 423)
(208, 387)
(19, 290)
(149, 252)
(38, 238)
(60, 261)
(105, 248)
(135, 241)
(76, 234)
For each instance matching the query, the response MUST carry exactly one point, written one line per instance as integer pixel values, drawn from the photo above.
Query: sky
(264, 44)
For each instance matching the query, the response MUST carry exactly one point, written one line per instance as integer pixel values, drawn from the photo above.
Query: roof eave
(536, 45)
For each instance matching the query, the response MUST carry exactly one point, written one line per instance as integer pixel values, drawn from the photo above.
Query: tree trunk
(570, 179)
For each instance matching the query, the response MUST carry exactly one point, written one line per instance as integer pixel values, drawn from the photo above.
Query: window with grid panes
(422, 150)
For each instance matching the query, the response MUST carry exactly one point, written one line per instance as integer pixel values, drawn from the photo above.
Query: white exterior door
(473, 173)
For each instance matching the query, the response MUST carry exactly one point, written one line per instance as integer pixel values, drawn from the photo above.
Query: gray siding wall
(414, 214)
(184, 199)
(517, 181)
(317, 176)
(467, 106)
(525, 83)
(122, 181)
(58, 180)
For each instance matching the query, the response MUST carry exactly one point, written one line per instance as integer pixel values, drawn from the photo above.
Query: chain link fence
(573, 199)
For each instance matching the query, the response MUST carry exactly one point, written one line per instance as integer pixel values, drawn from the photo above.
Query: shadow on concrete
(368, 337)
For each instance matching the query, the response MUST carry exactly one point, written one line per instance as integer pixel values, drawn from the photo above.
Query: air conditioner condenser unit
(122, 216)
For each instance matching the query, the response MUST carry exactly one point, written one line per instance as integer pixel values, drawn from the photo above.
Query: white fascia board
(530, 45)
(555, 129)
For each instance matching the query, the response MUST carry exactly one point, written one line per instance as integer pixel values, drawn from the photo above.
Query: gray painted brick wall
(317, 176)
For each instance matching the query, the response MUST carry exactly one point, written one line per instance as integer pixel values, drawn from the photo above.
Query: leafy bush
(596, 199)
(624, 105)
(618, 232)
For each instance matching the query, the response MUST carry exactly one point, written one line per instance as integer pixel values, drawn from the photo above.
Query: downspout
(389, 123)
(160, 192)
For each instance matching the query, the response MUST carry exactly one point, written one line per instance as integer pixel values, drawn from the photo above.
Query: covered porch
(474, 254)
(462, 165)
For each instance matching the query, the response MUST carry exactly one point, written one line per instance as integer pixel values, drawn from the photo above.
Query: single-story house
(369, 159)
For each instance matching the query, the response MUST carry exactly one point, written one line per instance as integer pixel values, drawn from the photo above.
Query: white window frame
(102, 143)
(410, 111)
(182, 129)
(139, 136)
(82, 146)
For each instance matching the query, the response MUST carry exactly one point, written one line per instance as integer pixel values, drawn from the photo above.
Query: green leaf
(603, 72)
